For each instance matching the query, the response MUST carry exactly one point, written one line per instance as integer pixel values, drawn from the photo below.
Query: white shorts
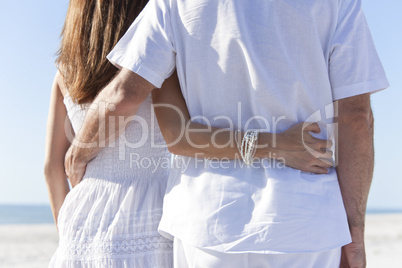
(187, 256)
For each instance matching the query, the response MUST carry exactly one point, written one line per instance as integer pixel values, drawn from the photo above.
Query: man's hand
(302, 151)
(353, 256)
(126, 91)
(75, 169)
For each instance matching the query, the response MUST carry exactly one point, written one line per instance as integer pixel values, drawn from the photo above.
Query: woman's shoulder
(59, 79)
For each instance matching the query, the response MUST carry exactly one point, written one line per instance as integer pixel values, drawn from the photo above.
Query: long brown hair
(92, 28)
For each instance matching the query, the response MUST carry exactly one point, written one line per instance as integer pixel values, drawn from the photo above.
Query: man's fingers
(74, 171)
(344, 260)
(74, 181)
(73, 184)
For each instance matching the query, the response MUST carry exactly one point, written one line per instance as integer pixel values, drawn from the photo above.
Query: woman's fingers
(311, 127)
(325, 163)
(303, 151)
(317, 170)
(316, 144)
(319, 163)
(327, 154)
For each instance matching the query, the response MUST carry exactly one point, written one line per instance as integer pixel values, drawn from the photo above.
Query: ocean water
(30, 214)
(25, 214)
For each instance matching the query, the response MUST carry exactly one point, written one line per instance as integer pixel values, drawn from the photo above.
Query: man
(264, 65)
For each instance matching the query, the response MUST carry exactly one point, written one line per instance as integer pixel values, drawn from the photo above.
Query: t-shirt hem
(371, 86)
(221, 248)
(139, 68)
(335, 246)
(165, 234)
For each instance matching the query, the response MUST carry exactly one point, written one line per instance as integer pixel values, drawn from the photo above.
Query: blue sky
(29, 32)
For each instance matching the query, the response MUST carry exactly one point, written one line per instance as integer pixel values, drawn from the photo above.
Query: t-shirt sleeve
(147, 47)
(354, 65)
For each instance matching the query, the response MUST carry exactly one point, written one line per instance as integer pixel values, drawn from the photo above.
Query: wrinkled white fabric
(188, 256)
(110, 219)
(268, 65)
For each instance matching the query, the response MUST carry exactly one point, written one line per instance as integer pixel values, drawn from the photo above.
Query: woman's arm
(57, 144)
(192, 139)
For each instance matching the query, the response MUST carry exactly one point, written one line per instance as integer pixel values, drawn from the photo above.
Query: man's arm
(125, 92)
(355, 170)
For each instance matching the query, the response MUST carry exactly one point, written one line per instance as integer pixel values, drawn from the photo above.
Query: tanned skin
(355, 170)
(355, 149)
(128, 90)
(57, 144)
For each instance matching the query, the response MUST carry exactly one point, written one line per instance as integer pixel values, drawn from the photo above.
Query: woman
(110, 219)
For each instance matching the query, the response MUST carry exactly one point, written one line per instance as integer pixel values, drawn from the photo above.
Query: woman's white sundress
(110, 219)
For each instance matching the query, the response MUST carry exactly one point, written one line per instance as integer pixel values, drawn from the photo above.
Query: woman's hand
(300, 150)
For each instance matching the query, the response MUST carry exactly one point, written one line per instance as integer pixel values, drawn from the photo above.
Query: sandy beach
(384, 240)
(31, 246)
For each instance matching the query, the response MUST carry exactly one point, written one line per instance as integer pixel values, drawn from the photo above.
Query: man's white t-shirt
(265, 64)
